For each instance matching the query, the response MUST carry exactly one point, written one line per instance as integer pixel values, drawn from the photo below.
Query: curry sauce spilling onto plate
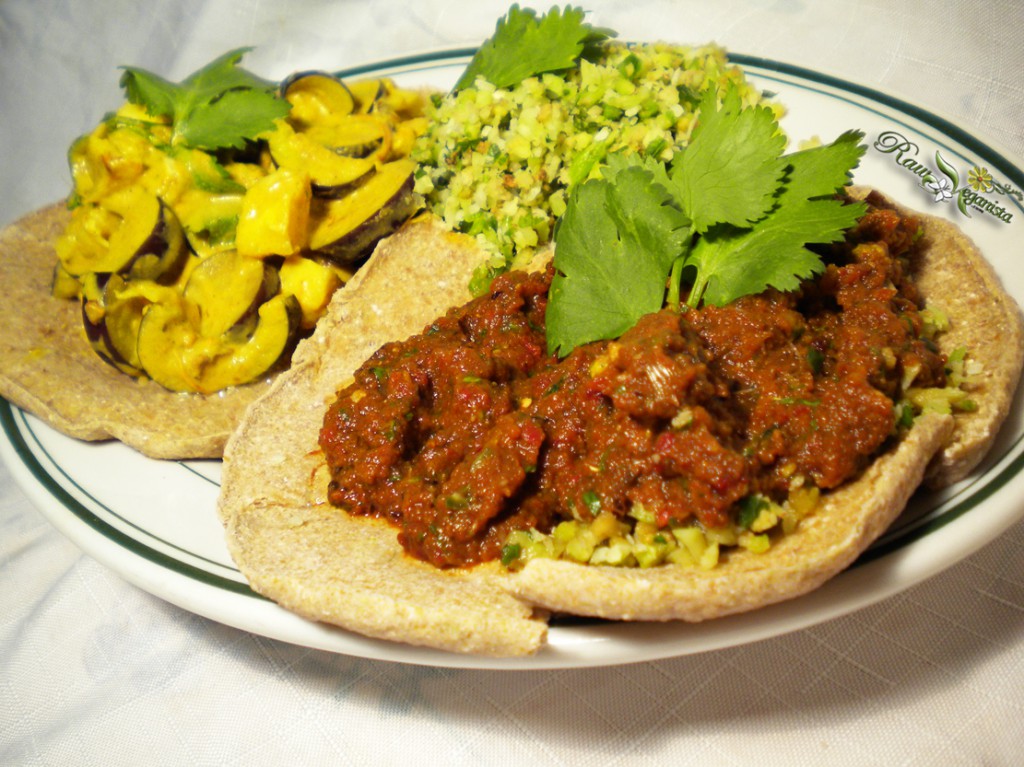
(470, 431)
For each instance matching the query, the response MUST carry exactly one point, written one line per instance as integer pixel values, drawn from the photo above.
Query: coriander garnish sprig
(220, 106)
(730, 216)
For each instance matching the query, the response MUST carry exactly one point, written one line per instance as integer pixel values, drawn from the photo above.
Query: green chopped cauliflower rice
(496, 163)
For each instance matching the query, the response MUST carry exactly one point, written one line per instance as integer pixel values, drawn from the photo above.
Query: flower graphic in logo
(980, 192)
(979, 179)
(942, 188)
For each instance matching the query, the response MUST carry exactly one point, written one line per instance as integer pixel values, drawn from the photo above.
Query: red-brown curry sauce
(470, 430)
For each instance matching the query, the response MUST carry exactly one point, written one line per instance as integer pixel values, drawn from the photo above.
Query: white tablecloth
(94, 671)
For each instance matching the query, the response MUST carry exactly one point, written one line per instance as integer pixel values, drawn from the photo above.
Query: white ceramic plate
(154, 522)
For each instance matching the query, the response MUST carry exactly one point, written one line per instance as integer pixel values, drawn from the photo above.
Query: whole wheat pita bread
(317, 561)
(986, 321)
(48, 368)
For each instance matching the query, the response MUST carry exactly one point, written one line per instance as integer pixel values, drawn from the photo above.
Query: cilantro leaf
(523, 46)
(150, 91)
(729, 171)
(823, 170)
(732, 214)
(614, 247)
(222, 74)
(731, 262)
(217, 106)
(750, 509)
(232, 119)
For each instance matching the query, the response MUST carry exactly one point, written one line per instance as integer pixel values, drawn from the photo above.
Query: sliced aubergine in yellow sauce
(131, 229)
(358, 136)
(344, 229)
(111, 315)
(164, 333)
(123, 310)
(251, 353)
(175, 355)
(316, 96)
(199, 268)
(209, 219)
(117, 153)
(225, 287)
(274, 219)
(330, 173)
(367, 92)
(63, 284)
(164, 255)
(312, 282)
(102, 343)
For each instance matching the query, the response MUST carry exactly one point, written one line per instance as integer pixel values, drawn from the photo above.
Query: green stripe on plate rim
(28, 457)
(946, 128)
(975, 494)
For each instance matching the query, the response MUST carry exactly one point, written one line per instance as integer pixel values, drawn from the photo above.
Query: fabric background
(94, 671)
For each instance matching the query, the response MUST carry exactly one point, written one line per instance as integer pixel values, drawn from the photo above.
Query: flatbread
(842, 526)
(48, 368)
(317, 561)
(940, 450)
(986, 321)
